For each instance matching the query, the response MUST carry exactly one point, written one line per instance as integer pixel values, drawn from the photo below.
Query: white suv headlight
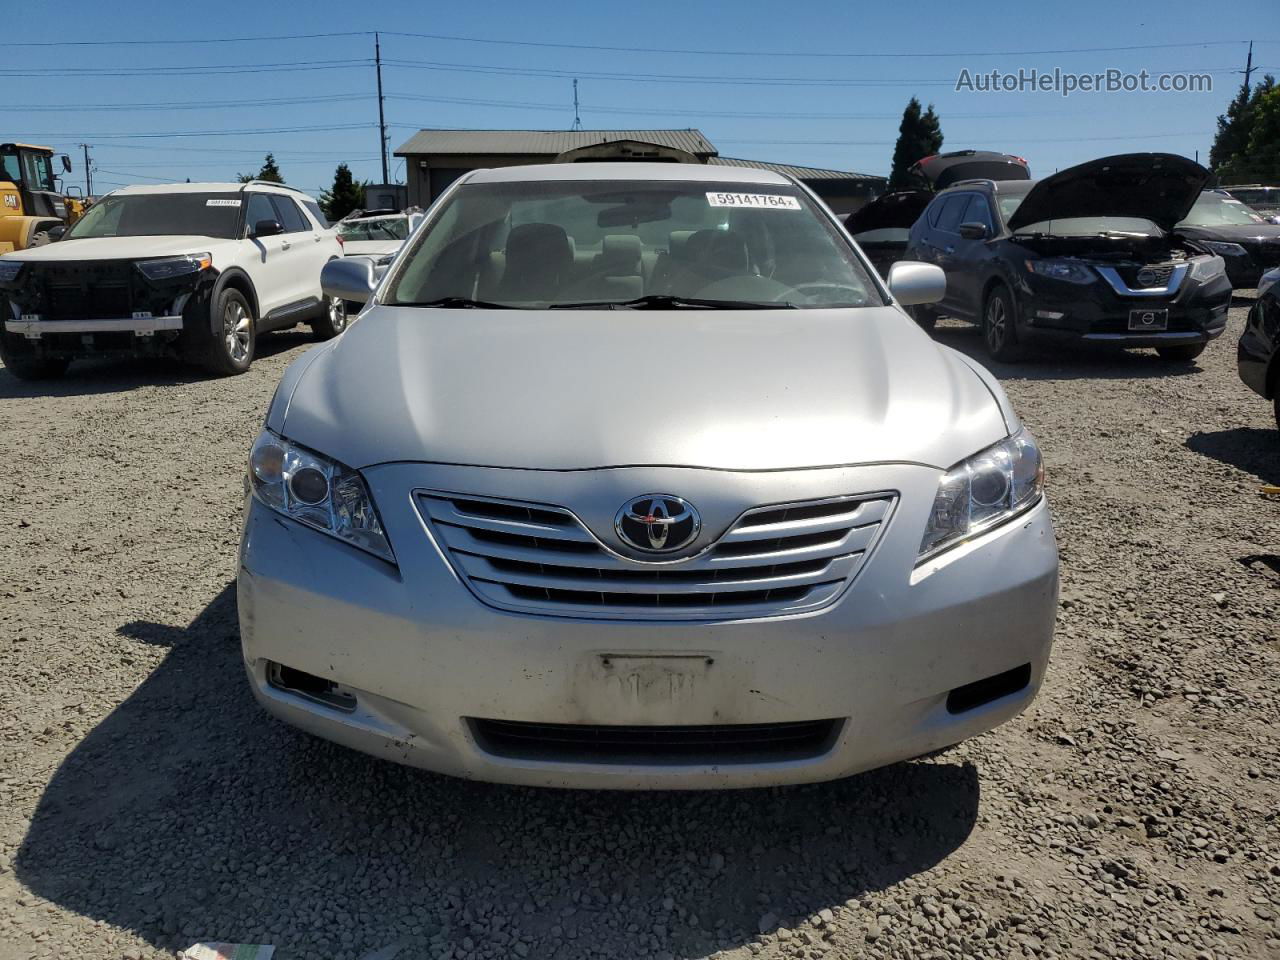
(984, 491)
(319, 492)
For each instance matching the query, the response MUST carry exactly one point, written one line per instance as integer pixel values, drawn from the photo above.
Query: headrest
(677, 242)
(621, 253)
(546, 242)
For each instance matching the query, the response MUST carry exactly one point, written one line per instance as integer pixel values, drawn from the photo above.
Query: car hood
(1160, 187)
(1231, 232)
(899, 209)
(120, 248)
(574, 389)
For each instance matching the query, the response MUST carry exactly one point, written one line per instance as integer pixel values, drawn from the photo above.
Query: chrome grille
(772, 560)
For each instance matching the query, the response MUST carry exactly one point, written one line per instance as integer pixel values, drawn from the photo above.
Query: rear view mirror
(911, 282)
(267, 228)
(974, 231)
(633, 214)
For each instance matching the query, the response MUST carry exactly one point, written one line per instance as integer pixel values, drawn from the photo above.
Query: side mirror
(351, 278)
(267, 228)
(55, 233)
(911, 282)
(66, 164)
(974, 231)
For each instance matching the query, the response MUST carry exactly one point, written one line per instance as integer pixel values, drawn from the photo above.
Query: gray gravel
(147, 803)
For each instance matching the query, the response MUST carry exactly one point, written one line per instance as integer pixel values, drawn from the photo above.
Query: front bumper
(1257, 346)
(1052, 311)
(140, 326)
(422, 656)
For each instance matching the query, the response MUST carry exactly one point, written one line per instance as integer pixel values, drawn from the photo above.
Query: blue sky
(835, 111)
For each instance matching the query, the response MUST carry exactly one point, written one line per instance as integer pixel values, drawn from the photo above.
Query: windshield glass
(1092, 226)
(1256, 196)
(160, 214)
(1215, 210)
(541, 243)
(388, 228)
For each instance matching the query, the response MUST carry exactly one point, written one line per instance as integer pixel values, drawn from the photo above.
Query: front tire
(231, 349)
(999, 329)
(31, 368)
(333, 321)
(1183, 353)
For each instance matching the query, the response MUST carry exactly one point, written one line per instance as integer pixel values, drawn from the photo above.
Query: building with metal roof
(436, 158)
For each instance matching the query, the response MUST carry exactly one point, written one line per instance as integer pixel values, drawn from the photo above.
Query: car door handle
(951, 249)
(285, 244)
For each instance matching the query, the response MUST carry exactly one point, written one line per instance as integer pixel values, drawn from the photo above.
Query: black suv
(1087, 254)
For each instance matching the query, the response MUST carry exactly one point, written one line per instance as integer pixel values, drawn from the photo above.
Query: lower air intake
(695, 745)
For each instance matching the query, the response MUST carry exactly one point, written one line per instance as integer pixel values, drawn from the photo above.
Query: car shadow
(1065, 361)
(100, 375)
(1253, 450)
(187, 813)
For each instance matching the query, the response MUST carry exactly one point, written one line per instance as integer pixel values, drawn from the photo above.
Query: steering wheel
(810, 291)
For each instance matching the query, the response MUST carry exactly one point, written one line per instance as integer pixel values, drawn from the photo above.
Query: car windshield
(1092, 226)
(385, 228)
(538, 244)
(160, 214)
(1257, 197)
(1215, 210)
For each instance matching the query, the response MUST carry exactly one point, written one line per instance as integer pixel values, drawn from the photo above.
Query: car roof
(669, 172)
(256, 186)
(1012, 187)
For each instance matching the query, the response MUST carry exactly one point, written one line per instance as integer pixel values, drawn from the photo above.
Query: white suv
(197, 269)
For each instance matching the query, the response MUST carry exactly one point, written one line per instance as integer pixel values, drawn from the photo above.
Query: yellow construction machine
(33, 210)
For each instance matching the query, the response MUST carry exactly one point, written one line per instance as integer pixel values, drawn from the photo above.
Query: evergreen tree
(1234, 156)
(345, 195)
(269, 172)
(919, 135)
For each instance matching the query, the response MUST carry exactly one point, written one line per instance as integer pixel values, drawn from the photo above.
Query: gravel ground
(147, 803)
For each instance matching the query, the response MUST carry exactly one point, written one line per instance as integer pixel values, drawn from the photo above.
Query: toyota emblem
(657, 523)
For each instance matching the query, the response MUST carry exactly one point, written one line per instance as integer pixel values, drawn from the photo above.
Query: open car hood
(898, 209)
(1160, 187)
(944, 169)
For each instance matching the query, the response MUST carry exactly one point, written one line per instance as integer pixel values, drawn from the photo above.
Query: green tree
(1261, 160)
(269, 172)
(919, 135)
(345, 195)
(1232, 156)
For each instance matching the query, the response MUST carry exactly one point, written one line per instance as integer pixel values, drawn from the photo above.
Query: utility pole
(88, 173)
(1248, 67)
(577, 120)
(382, 120)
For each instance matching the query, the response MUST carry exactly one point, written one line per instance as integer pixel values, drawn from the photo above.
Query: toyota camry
(637, 476)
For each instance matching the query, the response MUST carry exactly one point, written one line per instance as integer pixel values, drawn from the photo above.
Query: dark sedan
(1259, 351)
(1236, 232)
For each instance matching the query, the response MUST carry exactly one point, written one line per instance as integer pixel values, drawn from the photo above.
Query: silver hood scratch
(574, 389)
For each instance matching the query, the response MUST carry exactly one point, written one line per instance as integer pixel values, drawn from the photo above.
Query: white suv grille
(773, 560)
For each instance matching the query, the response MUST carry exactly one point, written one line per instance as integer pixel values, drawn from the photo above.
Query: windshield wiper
(457, 303)
(667, 301)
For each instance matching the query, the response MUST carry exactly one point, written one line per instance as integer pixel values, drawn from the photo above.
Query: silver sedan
(637, 476)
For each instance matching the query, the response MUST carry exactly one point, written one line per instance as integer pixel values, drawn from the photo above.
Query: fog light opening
(981, 692)
(308, 685)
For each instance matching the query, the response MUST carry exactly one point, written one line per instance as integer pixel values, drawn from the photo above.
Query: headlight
(1223, 247)
(171, 267)
(9, 269)
(316, 491)
(1205, 269)
(1067, 270)
(984, 491)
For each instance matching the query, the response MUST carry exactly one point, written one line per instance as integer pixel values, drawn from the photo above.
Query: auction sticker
(764, 201)
(222, 203)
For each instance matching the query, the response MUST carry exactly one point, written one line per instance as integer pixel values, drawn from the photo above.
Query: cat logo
(11, 200)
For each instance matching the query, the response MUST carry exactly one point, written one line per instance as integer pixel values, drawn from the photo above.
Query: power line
(204, 133)
(182, 104)
(184, 71)
(611, 48)
(880, 143)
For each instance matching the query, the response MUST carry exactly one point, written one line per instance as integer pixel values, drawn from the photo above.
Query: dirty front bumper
(416, 667)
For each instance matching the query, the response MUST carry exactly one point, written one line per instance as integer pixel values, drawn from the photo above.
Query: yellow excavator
(33, 210)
